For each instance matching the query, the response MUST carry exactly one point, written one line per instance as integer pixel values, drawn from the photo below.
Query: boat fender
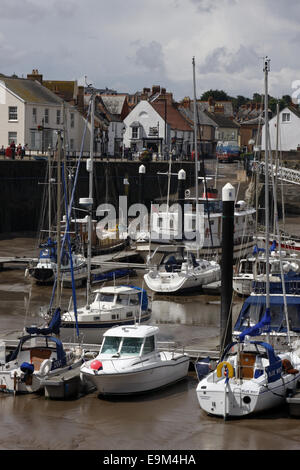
(96, 365)
(45, 367)
(222, 366)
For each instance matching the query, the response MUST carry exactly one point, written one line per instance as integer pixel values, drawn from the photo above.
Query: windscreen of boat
(131, 346)
(111, 345)
(122, 299)
(105, 297)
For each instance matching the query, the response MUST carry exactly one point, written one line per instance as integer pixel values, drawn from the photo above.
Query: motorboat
(38, 355)
(130, 362)
(250, 378)
(110, 306)
(180, 274)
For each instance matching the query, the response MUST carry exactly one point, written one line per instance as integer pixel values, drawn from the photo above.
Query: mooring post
(181, 199)
(228, 200)
(142, 171)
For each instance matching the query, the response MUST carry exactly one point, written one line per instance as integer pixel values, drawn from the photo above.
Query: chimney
(186, 102)
(80, 98)
(155, 89)
(35, 75)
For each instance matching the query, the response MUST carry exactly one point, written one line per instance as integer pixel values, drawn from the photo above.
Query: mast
(58, 254)
(90, 163)
(267, 221)
(196, 157)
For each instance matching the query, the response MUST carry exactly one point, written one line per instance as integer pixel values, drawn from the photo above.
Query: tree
(217, 95)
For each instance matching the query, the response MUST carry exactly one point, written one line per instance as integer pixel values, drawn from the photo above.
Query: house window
(286, 117)
(58, 116)
(71, 144)
(46, 116)
(12, 137)
(34, 116)
(12, 113)
(135, 132)
(72, 117)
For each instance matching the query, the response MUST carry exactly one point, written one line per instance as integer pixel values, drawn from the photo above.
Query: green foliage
(218, 95)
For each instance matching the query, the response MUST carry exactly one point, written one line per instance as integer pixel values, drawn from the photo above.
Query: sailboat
(251, 375)
(40, 354)
(107, 306)
(44, 270)
(191, 272)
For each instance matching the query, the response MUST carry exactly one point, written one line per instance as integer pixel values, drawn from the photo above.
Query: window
(286, 117)
(71, 144)
(46, 119)
(111, 345)
(149, 345)
(135, 132)
(12, 137)
(58, 116)
(72, 117)
(34, 116)
(12, 113)
(131, 346)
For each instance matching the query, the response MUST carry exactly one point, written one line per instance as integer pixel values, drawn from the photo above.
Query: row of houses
(33, 110)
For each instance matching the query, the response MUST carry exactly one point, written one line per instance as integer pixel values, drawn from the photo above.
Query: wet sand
(168, 419)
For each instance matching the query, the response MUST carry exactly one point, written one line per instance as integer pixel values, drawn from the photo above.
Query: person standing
(13, 150)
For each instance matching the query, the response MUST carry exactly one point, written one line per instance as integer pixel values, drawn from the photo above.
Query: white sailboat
(251, 377)
(191, 272)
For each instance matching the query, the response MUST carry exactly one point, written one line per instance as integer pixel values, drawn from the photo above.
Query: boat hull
(147, 379)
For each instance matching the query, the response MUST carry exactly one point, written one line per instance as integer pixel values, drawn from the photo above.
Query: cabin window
(129, 314)
(12, 113)
(294, 316)
(252, 315)
(131, 346)
(106, 297)
(134, 300)
(149, 345)
(276, 316)
(111, 344)
(122, 299)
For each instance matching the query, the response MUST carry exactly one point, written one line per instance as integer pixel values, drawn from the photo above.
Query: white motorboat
(111, 306)
(176, 275)
(38, 356)
(129, 362)
(250, 378)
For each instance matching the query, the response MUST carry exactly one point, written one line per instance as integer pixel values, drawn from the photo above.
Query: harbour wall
(23, 187)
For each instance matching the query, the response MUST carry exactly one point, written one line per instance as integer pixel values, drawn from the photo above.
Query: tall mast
(58, 241)
(90, 163)
(196, 157)
(267, 217)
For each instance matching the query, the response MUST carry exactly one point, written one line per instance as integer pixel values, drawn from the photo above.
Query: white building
(158, 126)
(31, 114)
(289, 130)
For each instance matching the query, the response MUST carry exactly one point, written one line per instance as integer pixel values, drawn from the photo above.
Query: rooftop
(31, 91)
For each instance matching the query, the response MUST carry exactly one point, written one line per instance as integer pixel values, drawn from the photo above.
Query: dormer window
(286, 117)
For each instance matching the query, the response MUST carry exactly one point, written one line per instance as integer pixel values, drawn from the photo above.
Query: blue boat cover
(53, 327)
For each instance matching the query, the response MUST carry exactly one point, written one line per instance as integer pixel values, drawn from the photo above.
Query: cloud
(150, 56)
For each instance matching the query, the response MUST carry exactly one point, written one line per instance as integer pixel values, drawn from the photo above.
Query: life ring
(229, 368)
(45, 367)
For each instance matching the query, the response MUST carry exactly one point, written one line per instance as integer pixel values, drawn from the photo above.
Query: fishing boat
(130, 362)
(39, 355)
(110, 306)
(179, 274)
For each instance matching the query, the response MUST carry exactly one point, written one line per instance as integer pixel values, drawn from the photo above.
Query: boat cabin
(127, 341)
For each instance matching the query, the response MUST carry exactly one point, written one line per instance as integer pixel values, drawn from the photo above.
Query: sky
(127, 45)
